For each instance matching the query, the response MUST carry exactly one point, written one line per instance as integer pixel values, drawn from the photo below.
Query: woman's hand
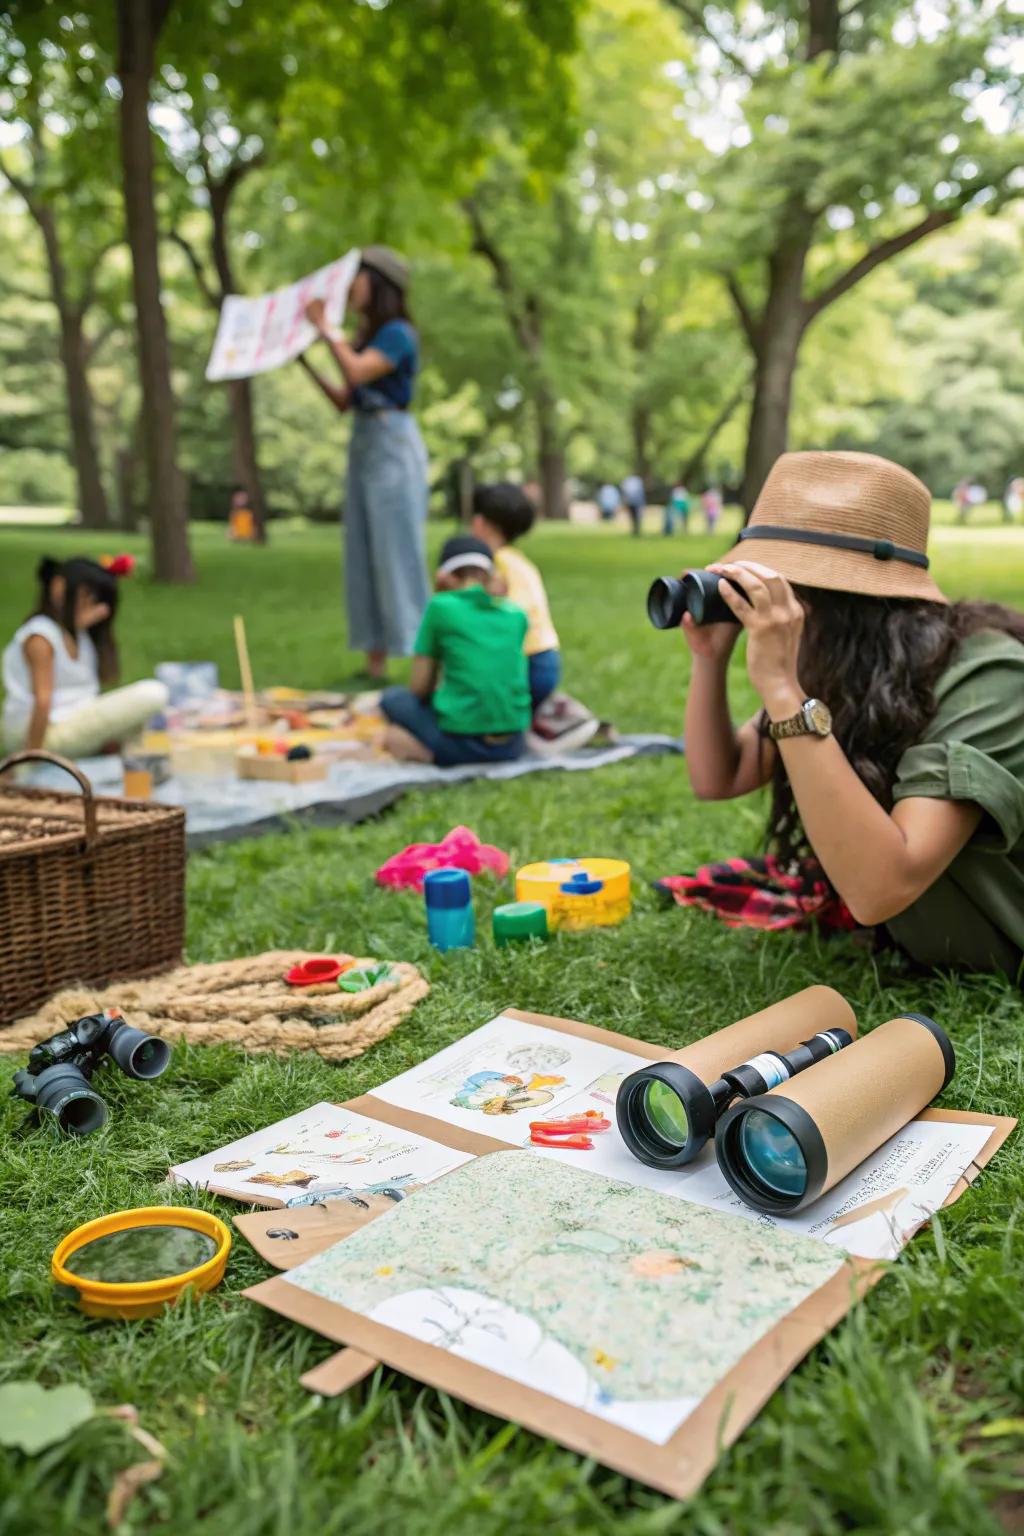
(316, 315)
(711, 642)
(773, 618)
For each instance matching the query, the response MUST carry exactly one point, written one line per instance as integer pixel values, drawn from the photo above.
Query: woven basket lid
(852, 494)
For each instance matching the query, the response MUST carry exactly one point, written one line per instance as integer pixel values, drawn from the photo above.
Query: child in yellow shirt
(502, 513)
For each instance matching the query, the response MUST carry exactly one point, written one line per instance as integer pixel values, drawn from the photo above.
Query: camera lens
(771, 1155)
(666, 1113)
(138, 1055)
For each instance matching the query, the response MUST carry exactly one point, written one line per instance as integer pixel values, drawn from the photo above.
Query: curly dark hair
(875, 661)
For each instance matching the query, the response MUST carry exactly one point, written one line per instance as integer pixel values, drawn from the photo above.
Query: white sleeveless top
(75, 681)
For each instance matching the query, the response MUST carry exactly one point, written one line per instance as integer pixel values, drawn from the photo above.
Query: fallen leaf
(1002, 1427)
(126, 1485)
(32, 1418)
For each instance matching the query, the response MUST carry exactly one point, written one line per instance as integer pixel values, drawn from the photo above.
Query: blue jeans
(545, 675)
(402, 707)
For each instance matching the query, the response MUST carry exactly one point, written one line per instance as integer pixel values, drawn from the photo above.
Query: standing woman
(386, 491)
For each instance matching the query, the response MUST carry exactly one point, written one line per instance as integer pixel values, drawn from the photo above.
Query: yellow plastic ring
(141, 1298)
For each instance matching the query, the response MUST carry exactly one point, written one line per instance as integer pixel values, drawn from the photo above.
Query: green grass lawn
(906, 1419)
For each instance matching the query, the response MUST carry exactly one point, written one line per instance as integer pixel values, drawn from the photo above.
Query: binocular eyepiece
(57, 1078)
(666, 1114)
(695, 593)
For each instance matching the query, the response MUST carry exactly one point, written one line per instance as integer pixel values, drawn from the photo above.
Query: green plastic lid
(520, 920)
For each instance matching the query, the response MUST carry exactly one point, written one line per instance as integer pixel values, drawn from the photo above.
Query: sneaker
(561, 724)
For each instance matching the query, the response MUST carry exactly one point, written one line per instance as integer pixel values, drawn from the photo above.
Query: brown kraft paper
(680, 1466)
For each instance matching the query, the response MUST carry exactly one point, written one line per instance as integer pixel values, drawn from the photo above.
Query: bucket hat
(388, 263)
(849, 522)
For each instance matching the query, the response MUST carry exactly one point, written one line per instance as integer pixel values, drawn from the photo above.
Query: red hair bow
(119, 565)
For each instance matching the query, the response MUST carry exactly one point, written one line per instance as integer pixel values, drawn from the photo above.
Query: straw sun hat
(850, 522)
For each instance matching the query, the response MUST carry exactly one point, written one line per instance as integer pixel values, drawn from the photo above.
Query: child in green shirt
(468, 699)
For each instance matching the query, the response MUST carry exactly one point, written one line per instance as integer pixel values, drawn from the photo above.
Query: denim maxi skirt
(384, 520)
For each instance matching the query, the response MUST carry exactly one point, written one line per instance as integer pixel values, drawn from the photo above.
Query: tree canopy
(646, 234)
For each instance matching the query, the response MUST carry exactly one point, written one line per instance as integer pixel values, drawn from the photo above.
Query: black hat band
(881, 549)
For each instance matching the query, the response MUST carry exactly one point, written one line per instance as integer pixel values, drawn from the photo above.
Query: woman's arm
(340, 398)
(722, 762)
(423, 678)
(39, 659)
(879, 863)
(356, 367)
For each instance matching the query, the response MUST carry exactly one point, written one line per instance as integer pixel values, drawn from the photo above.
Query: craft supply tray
(90, 888)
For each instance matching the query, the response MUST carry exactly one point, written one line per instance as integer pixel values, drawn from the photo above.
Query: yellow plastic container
(141, 1298)
(543, 882)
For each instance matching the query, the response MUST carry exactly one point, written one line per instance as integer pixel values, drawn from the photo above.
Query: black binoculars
(695, 593)
(57, 1076)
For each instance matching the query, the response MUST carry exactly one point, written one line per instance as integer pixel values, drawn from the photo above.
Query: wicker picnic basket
(90, 889)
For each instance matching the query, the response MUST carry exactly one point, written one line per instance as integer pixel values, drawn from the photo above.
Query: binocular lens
(771, 1154)
(139, 1055)
(665, 602)
(64, 1092)
(666, 1113)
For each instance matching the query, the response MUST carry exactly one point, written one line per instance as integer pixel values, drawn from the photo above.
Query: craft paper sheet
(325, 1151)
(507, 1073)
(255, 335)
(609, 1297)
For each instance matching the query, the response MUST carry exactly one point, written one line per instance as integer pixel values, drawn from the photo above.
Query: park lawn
(906, 1419)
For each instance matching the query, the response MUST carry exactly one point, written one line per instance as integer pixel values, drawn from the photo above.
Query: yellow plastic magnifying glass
(134, 1263)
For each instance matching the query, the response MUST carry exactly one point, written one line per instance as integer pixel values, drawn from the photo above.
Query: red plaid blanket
(762, 893)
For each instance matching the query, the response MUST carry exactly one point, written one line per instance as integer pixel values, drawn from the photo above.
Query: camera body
(57, 1077)
(695, 593)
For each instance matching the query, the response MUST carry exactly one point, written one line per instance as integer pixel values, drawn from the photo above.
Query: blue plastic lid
(579, 885)
(446, 888)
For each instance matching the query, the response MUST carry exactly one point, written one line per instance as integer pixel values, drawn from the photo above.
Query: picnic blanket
(221, 807)
(762, 893)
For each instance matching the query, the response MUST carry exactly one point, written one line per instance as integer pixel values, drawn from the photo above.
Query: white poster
(255, 335)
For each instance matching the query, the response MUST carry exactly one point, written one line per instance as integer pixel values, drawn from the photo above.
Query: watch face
(818, 716)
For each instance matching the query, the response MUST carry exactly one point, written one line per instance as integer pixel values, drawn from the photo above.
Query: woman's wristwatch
(813, 719)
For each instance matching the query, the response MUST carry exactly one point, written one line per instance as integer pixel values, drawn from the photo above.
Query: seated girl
(892, 726)
(58, 660)
(468, 699)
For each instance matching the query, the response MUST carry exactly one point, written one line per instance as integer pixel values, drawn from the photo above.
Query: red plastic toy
(321, 969)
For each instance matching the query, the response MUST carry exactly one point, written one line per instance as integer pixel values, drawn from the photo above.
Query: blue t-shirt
(398, 342)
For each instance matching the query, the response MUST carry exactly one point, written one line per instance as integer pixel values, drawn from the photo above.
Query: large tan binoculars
(668, 1110)
(782, 1149)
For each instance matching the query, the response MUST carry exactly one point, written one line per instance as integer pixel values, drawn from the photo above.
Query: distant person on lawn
(634, 494)
(468, 699)
(891, 729)
(386, 490)
(60, 658)
(502, 514)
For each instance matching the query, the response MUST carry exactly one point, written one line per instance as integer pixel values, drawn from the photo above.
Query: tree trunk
(244, 452)
(550, 459)
(777, 345)
(640, 424)
(138, 24)
(244, 457)
(92, 498)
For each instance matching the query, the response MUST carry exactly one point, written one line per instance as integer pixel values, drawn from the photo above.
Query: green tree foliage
(839, 136)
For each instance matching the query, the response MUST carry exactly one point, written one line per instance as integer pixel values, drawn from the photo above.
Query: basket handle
(88, 803)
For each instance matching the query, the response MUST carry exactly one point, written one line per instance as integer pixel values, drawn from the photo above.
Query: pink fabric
(461, 849)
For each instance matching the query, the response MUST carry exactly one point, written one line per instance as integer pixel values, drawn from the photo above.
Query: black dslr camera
(58, 1072)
